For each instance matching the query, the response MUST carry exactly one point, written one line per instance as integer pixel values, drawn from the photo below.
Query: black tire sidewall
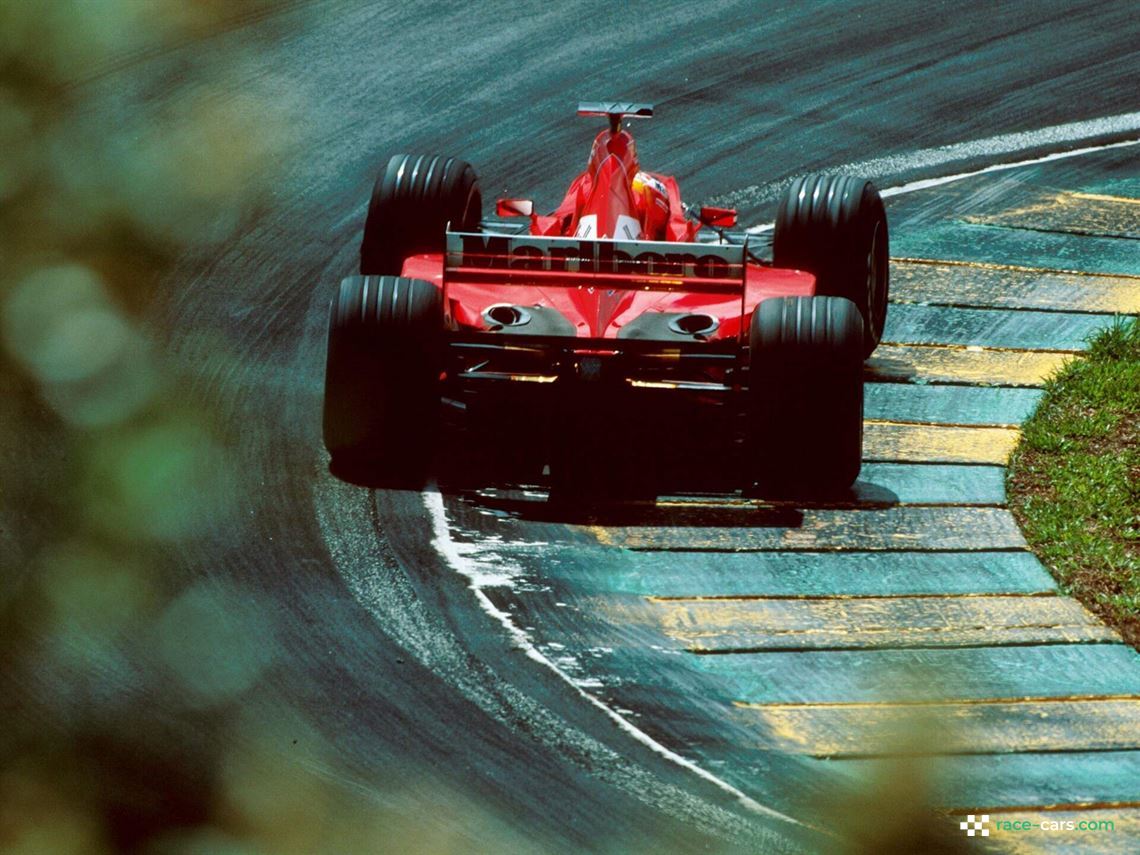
(413, 201)
(805, 398)
(382, 390)
(826, 225)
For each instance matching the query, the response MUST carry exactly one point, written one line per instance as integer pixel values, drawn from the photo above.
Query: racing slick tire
(805, 414)
(382, 377)
(413, 200)
(835, 227)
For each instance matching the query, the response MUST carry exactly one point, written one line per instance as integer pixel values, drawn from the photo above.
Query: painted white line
(990, 147)
(1055, 137)
(458, 560)
(925, 183)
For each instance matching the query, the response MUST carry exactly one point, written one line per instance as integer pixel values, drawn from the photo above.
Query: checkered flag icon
(974, 824)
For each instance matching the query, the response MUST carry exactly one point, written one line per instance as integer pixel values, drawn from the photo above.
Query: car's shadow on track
(709, 510)
(638, 512)
(888, 369)
(707, 504)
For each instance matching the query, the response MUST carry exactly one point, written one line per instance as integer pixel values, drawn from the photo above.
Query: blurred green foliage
(134, 715)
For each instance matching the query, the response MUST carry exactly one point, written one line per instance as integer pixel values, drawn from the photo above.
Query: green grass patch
(1074, 480)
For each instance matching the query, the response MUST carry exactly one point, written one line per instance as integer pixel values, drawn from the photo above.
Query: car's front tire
(413, 201)
(835, 227)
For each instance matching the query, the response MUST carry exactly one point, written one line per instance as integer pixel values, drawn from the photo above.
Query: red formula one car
(623, 333)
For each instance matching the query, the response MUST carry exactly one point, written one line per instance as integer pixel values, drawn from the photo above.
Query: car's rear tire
(835, 227)
(413, 200)
(382, 377)
(805, 411)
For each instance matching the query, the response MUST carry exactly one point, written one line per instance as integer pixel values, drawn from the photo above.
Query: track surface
(385, 649)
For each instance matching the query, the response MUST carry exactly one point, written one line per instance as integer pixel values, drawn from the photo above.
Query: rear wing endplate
(490, 259)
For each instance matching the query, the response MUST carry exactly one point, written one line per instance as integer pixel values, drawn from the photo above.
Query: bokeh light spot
(216, 640)
(158, 483)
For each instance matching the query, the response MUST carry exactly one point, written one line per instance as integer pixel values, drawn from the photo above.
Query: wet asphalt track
(375, 640)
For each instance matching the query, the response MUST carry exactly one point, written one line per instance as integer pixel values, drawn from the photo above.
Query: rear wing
(489, 259)
(615, 108)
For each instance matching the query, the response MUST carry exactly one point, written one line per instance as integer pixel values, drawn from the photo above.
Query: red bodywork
(614, 306)
(600, 205)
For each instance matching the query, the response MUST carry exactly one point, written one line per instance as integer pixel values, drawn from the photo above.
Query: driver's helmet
(652, 199)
